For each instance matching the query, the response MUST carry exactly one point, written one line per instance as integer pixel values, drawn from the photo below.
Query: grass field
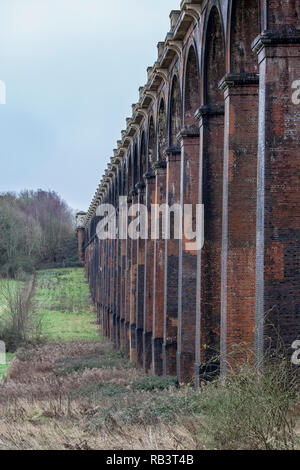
(64, 306)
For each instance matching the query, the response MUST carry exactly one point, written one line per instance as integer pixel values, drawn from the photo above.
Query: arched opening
(135, 167)
(151, 145)
(175, 112)
(143, 160)
(192, 89)
(124, 178)
(162, 130)
(129, 174)
(245, 27)
(214, 69)
(212, 191)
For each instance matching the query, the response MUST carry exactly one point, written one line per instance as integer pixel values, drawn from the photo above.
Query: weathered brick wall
(217, 123)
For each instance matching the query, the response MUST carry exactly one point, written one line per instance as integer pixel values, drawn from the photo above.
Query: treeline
(36, 230)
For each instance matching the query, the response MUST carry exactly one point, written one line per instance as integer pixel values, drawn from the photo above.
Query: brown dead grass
(36, 412)
(33, 375)
(67, 435)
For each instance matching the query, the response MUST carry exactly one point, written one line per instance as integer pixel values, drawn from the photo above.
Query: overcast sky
(72, 69)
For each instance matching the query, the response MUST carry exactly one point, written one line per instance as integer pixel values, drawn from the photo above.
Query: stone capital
(149, 175)
(276, 38)
(188, 132)
(209, 110)
(231, 80)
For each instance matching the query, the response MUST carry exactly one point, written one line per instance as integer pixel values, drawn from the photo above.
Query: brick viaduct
(217, 123)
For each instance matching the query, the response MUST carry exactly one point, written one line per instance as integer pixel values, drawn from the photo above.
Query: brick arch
(124, 178)
(135, 165)
(161, 129)
(282, 16)
(191, 100)
(129, 172)
(243, 28)
(143, 156)
(214, 56)
(175, 111)
(151, 143)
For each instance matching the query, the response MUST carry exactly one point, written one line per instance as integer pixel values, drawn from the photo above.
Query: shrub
(146, 408)
(20, 325)
(97, 391)
(152, 383)
(251, 409)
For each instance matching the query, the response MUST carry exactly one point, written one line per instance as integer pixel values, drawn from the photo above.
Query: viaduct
(218, 123)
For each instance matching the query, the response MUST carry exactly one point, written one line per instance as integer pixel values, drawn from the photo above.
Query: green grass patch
(64, 306)
(152, 383)
(5, 285)
(115, 360)
(4, 367)
(98, 391)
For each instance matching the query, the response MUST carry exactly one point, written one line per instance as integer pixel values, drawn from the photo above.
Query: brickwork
(216, 123)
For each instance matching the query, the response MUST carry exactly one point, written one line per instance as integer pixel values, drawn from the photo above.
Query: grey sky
(72, 69)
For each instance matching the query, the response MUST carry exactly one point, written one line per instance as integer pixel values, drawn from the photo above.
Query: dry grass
(37, 411)
(34, 373)
(47, 403)
(63, 433)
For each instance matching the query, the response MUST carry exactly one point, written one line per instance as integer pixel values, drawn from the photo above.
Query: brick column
(98, 278)
(189, 181)
(148, 286)
(108, 283)
(209, 259)
(112, 290)
(278, 221)
(115, 285)
(133, 280)
(118, 297)
(80, 221)
(239, 216)
(171, 267)
(128, 288)
(158, 274)
(106, 287)
(140, 275)
(101, 306)
(110, 294)
(123, 292)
